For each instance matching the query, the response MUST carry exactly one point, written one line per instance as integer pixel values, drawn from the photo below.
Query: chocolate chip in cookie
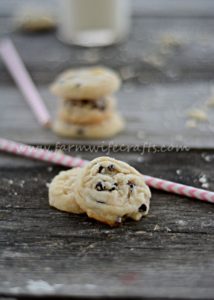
(99, 186)
(112, 189)
(80, 131)
(111, 168)
(78, 85)
(131, 185)
(143, 208)
(101, 202)
(100, 169)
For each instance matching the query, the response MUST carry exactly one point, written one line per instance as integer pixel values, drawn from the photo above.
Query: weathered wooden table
(169, 254)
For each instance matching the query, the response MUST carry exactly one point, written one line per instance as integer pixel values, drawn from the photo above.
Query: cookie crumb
(10, 181)
(50, 169)
(169, 41)
(203, 181)
(206, 157)
(210, 101)
(178, 172)
(127, 73)
(191, 123)
(198, 114)
(168, 229)
(156, 228)
(154, 61)
(205, 185)
(140, 232)
(41, 286)
(140, 159)
(22, 183)
(181, 222)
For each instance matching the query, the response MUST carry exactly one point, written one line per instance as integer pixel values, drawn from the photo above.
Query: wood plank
(173, 8)
(144, 53)
(154, 114)
(9, 8)
(47, 252)
(142, 7)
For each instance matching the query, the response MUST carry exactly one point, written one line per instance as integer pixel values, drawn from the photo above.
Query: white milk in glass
(94, 22)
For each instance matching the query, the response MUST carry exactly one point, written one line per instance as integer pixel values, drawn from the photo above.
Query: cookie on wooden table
(62, 191)
(34, 20)
(86, 111)
(110, 190)
(86, 83)
(105, 129)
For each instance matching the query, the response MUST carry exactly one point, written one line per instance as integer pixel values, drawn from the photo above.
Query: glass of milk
(94, 23)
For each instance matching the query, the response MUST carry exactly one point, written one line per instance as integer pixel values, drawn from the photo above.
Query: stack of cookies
(87, 107)
(106, 189)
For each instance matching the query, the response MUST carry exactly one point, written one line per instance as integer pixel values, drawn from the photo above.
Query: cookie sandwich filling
(100, 104)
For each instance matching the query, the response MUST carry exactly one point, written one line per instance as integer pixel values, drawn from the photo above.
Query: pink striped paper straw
(40, 154)
(69, 161)
(23, 80)
(180, 189)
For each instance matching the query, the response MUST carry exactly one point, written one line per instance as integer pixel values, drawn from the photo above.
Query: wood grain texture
(143, 7)
(144, 53)
(154, 114)
(169, 254)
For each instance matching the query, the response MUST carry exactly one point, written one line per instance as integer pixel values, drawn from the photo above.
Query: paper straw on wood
(180, 189)
(23, 80)
(69, 161)
(40, 154)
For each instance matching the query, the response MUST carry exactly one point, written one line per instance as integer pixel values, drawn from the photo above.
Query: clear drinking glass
(93, 23)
